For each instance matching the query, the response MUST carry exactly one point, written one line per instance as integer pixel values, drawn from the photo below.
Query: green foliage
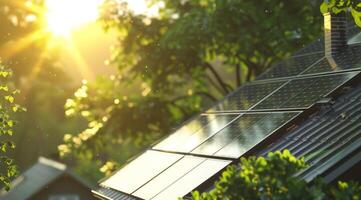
(337, 6)
(273, 178)
(7, 109)
(176, 63)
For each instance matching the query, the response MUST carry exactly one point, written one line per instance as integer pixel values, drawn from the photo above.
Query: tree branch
(218, 88)
(218, 77)
(238, 75)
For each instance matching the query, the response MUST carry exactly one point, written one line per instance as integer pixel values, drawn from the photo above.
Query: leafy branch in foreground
(7, 108)
(273, 178)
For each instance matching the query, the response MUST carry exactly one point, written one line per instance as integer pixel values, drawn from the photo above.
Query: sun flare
(64, 16)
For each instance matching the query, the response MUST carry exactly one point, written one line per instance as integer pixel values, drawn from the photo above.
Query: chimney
(335, 33)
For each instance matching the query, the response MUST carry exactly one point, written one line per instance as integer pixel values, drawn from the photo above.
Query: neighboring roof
(297, 104)
(41, 174)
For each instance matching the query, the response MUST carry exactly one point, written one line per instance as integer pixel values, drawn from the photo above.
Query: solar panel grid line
(301, 76)
(146, 182)
(190, 128)
(190, 142)
(188, 121)
(218, 153)
(326, 86)
(215, 135)
(318, 61)
(195, 154)
(292, 93)
(138, 192)
(229, 95)
(181, 187)
(245, 97)
(270, 94)
(258, 111)
(138, 165)
(291, 66)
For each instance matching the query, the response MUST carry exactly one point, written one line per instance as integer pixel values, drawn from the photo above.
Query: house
(310, 103)
(48, 180)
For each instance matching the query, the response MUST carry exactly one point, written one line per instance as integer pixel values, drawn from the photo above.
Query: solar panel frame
(228, 150)
(135, 166)
(168, 177)
(186, 143)
(253, 131)
(234, 101)
(292, 89)
(187, 183)
(291, 66)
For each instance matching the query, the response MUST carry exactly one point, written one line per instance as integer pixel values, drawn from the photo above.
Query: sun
(64, 16)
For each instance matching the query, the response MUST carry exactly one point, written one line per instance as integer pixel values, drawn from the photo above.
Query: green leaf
(9, 98)
(324, 7)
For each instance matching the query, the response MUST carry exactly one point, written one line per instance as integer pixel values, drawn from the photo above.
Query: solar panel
(169, 176)
(243, 134)
(316, 47)
(291, 66)
(348, 59)
(185, 131)
(193, 179)
(185, 141)
(302, 93)
(139, 171)
(247, 96)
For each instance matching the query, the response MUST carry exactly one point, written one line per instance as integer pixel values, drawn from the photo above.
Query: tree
(25, 46)
(8, 107)
(273, 178)
(173, 64)
(337, 6)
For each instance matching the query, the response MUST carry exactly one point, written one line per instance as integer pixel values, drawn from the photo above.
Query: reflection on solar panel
(302, 93)
(168, 177)
(291, 66)
(247, 96)
(348, 59)
(185, 141)
(243, 134)
(139, 171)
(192, 179)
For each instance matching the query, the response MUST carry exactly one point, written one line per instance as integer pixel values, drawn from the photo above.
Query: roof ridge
(52, 163)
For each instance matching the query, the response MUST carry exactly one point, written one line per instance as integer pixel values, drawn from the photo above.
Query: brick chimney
(335, 33)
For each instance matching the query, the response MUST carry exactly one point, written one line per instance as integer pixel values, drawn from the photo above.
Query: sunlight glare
(63, 16)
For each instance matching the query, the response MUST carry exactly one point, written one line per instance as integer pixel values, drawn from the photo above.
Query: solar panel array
(205, 145)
